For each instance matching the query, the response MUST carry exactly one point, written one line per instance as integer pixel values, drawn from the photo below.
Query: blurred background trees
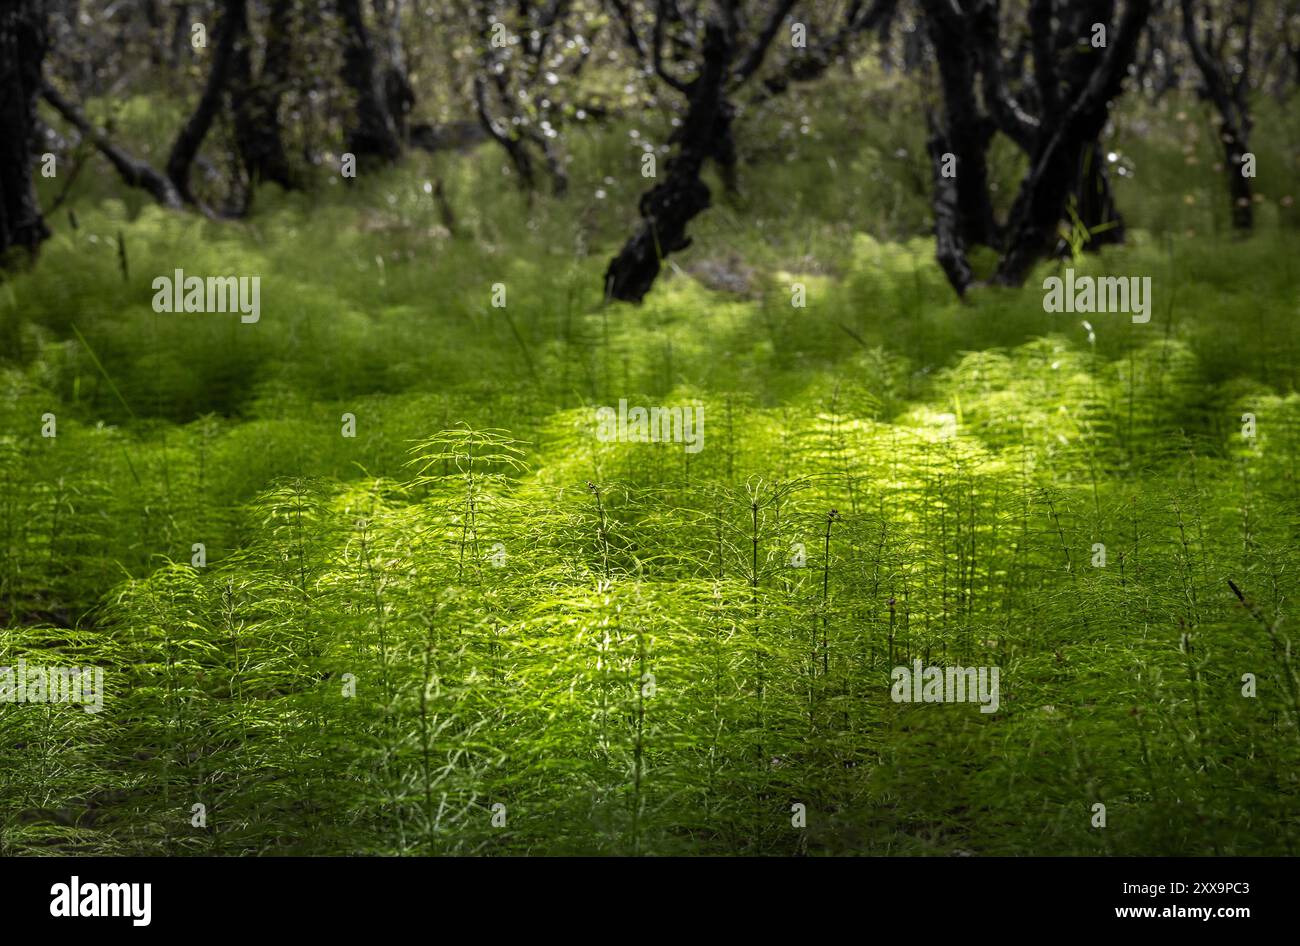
(251, 93)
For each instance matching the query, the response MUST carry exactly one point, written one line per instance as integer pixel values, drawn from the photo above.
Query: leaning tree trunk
(134, 171)
(1230, 97)
(1041, 201)
(374, 135)
(504, 134)
(24, 39)
(233, 24)
(669, 206)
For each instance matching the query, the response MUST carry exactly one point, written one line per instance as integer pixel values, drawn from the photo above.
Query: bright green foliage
(475, 602)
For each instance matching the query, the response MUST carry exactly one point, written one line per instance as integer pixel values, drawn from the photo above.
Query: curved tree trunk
(24, 39)
(180, 38)
(1228, 85)
(190, 139)
(1041, 201)
(669, 206)
(505, 136)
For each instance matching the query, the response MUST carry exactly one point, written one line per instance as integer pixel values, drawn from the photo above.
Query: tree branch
(661, 13)
(754, 59)
(134, 172)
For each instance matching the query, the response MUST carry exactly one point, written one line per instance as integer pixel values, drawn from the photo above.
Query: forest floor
(364, 575)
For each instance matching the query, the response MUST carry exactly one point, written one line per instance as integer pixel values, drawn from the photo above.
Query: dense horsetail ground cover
(364, 577)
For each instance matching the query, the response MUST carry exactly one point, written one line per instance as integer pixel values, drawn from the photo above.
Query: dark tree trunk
(950, 247)
(504, 135)
(1156, 73)
(180, 41)
(1230, 97)
(1239, 189)
(812, 63)
(670, 205)
(134, 172)
(913, 49)
(258, 131)
(398, 93)
(1041, 202)
(966, 132)
(1010, 116)
(723, 64)
(374, 135)
(400, 99)
(1095, 203)
(190, 139)
(1058, 123)
(885, 35)
(157, 42)
(522, 124)
(723, 150)
(554, 165)
(24, 40)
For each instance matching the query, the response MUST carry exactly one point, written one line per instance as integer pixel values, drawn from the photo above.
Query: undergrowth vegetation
(475, 628)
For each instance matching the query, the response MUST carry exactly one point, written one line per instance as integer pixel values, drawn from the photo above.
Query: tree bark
(190, 139)
(1094, 200)
(1040, 204)
(812, 63)
(374, 135)
(398, 93)
(180, 39)
(733, 50)
(1230, 97)
(1012, 118)
(505, 136)
(950, 247)
(669, 206)
(256, 103)
(966, 132)
(24, 40)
